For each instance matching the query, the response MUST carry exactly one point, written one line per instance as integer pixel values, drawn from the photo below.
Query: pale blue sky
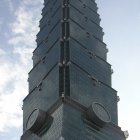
(121, 24)
(18, 29)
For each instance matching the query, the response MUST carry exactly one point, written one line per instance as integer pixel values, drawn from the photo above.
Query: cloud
(24, 54)
(24, 20)
(25, 28)
(12, 90)
(11, 99)
(2, 52)
(14, 73)
(33, 3)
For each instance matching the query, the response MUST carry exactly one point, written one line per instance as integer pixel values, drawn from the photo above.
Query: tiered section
(70, 72)
(44, 77)
(90, 74)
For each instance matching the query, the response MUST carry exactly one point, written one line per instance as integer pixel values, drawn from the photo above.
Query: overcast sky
(18, 29)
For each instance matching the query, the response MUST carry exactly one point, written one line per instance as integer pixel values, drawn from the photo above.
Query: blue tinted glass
(85, 91)
(43, 96)
(92, 30)
(45, 32)
(82, 5)
(90, 63)
(51, 17)
(86, 39)
(44, 66)
(41, 51)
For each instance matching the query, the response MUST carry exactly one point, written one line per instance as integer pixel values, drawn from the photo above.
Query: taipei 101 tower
(70, 93)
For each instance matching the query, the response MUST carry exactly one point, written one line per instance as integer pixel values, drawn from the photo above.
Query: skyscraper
(70, 94)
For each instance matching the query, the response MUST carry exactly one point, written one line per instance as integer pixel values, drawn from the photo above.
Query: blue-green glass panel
(88, 41)
(51, 16)
(86, 90)
(86, 23)
(83, 4)
(94, 65)
(45, 32)
(55, 131)
(41, 51)
(44, 66)
(42, 97)
(94, 17)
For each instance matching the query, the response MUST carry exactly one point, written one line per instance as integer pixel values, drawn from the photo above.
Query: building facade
(70, 93)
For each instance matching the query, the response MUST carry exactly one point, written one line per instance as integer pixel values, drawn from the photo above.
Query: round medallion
(101, 112)
(35, 120)
(98, 114)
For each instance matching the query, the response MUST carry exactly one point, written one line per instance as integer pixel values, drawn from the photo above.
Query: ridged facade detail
(70, 92)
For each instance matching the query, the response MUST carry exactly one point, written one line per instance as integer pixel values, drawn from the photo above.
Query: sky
(19, 22)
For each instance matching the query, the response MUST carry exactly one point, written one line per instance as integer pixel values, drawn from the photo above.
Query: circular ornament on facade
(36, 120)
(98, 114)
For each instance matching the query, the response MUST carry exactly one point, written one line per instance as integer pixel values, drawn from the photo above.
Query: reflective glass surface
(82, 5)
(50, 6)
(86, 90)
(92, 30)
(94, 65)
(43, 96)
(44, 66)
(42, 51)
(86, 39)
(71, 124)
(45, 32)
(51, 18)
(93, 16)
(86, 22)
(97, 48)
(70, 60)
(55, 131)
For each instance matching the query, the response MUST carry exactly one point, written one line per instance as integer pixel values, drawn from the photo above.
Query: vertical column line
(64, 58)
